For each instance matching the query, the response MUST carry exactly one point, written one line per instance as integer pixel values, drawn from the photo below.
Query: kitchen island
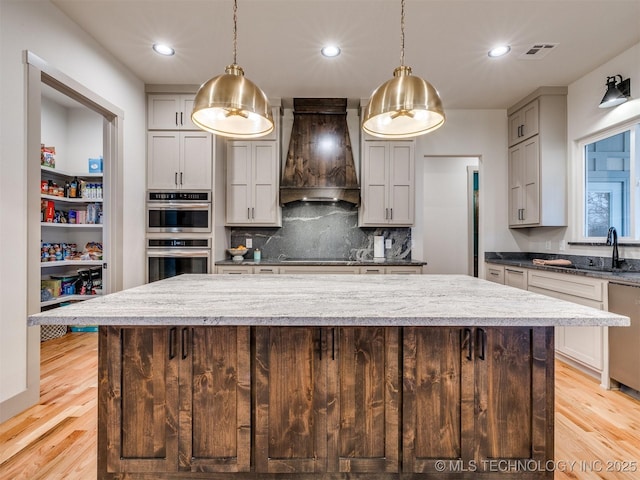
(325, 377)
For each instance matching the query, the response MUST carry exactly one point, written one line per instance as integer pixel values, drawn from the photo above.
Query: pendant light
(231, 105)
(405, 106)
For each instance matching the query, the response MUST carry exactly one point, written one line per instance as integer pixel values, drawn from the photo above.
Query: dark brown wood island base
(325, 403)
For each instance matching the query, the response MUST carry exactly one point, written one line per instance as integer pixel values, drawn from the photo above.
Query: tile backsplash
(322, 230)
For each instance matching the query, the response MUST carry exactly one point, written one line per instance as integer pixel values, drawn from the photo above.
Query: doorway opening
(448, 214)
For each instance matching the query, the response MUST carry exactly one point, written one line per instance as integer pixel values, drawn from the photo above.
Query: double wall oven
(178, 233)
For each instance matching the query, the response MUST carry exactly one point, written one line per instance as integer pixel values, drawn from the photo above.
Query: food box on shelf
(52, 286)
(69, 284)
(95, 165)
(47, 156)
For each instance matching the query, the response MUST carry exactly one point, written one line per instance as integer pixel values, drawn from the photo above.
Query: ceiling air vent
(538, 51)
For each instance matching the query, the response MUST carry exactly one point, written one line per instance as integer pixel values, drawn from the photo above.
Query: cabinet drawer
(574, 285)
(495, 273)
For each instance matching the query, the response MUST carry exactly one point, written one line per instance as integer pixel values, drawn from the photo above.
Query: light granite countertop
(326, 300)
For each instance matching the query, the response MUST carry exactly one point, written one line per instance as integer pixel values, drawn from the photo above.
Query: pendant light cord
(402, 34)
(235, 31)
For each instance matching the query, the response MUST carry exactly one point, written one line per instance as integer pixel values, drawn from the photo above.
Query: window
(611, 184)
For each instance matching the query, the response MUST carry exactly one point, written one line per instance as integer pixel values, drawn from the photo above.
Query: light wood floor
(56, 439)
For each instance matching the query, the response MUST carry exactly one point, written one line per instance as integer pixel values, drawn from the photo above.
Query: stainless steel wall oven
(168, 257)
(178, 212)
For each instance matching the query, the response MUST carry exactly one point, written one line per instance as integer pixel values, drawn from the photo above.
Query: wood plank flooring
(56, 439)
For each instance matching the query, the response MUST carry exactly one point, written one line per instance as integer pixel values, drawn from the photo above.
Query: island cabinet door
(291, 396)
(438, 395)
(138, 399)
(478, 400)
(215, 399)
(514, 397)
(363, 400)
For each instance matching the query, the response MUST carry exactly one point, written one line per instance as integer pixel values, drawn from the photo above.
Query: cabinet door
(515, 277)
(291, 399)
(238, 183)
(170, 112)
(265, 183)
(363, 400)
(186, 107)
(138, 399)
(523, 124)
(401, 183)
(476, 395)
(531, 182)
(215, 399)
(163, 112)
(163, 164)
(437, 376)
(524, 183)
(516, 165)
(514, 393)
(196, 161)
(375, 209)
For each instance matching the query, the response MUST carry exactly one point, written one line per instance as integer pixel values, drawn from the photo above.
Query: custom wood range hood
(319, 165)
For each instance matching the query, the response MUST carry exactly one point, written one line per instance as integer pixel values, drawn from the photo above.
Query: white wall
(42, 29)
(483, 134)
(585, 119)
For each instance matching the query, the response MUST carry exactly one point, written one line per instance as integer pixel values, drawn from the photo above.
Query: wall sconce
(617, 92)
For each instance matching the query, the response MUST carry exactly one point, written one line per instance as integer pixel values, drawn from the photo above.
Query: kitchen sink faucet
(612, 239)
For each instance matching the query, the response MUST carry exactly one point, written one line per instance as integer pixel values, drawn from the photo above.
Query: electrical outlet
(387, 243)
(563, 245)
(248, 243)
(547, 244)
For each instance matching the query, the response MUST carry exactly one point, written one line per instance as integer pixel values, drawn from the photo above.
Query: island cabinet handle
(482, 342)
(467, 342)
(185, 345)
(319, 344)
(333, 344)
(173, 334)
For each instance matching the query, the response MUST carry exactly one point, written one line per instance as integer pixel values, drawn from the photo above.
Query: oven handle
(178, 253)
(178, 206)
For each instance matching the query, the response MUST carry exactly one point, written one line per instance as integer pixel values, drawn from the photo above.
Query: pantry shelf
(71, 225)
(67, 298)
(68, 263)
(57, 198)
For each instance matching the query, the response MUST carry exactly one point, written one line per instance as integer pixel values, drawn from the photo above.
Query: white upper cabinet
(253, 183)
(387, 183)
(523, 123)
(170, 112)
(179, 160)
(538, 159)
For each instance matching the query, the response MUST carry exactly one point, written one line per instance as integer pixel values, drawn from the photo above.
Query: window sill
(603, 244)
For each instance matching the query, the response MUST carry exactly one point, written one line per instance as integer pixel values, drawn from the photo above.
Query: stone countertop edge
(631, 278)
(328, 263)
(326, 300)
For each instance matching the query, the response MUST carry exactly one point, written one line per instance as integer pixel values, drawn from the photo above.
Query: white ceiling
(446, 42)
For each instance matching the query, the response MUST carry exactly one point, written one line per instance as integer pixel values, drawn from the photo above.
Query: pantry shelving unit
(78, 233)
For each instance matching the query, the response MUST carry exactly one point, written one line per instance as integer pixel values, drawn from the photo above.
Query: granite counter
(326, 300)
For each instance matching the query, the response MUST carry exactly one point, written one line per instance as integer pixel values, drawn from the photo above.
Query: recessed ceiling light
(499, 51)
(163, 49)
(330, 51)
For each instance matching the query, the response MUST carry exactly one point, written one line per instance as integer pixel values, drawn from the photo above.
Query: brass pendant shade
(405, 106)
(231, 105)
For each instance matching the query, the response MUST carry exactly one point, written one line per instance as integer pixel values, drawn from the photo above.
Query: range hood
(319, 165)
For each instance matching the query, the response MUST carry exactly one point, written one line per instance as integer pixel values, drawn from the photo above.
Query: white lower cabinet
(515, 277)
(495, 273)
(582, 346)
